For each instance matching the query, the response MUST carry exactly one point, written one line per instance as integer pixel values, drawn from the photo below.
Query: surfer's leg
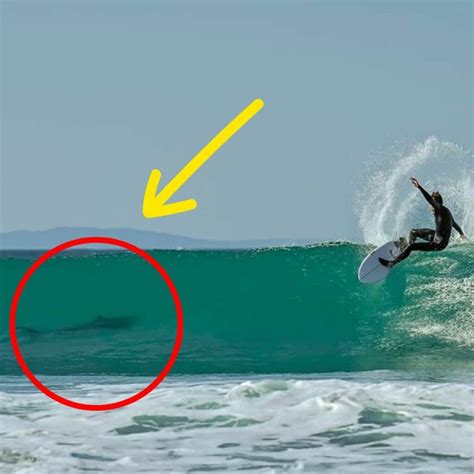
(416, 246)
(419, 247)
(425, 234)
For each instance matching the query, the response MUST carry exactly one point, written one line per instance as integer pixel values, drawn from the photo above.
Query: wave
(281, 310)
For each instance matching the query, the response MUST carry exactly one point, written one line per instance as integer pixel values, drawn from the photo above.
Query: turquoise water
(280, 310)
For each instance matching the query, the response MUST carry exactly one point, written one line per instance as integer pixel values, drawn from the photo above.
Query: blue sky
(96, 94)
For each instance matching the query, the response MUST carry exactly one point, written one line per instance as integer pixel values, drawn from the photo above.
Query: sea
(287, 363)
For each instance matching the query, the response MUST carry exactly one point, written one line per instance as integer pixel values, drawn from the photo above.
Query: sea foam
(374, 422)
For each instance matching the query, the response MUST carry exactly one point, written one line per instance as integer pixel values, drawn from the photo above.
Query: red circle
(179, 319)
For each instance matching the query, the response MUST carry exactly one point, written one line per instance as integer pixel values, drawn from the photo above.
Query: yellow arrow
(155, 205)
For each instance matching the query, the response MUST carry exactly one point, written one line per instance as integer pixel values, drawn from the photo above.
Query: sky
(95, 94)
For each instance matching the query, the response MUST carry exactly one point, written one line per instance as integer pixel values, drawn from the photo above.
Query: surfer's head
(437, 197)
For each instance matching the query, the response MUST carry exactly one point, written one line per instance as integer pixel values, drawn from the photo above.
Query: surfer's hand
(463, 237)
(415, 182)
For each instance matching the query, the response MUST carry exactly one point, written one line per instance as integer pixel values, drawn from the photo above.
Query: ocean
(287, 363)
(381, 421)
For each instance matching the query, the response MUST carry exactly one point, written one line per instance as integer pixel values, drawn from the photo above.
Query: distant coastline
(29, 243)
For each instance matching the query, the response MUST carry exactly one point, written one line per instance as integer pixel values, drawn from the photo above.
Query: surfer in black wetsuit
(435, 239)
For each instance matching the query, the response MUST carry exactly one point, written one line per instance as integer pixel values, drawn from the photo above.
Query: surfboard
(371, 270)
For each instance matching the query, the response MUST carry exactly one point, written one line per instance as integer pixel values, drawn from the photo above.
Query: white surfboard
(371, 270)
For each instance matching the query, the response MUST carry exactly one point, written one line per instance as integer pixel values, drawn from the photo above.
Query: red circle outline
(179, 318)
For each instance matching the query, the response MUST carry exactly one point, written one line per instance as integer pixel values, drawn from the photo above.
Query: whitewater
(288, 363)
(370, 422)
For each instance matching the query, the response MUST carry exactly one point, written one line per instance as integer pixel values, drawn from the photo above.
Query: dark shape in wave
(99, 323)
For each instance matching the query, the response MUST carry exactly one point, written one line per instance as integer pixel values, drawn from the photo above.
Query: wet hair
(437, 197)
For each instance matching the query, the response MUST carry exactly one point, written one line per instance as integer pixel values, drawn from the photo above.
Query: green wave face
(268, 311)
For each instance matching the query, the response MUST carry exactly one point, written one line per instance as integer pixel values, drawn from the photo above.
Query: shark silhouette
(100, 322)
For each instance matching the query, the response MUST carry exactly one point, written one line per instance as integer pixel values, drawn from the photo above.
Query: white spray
(388, 206)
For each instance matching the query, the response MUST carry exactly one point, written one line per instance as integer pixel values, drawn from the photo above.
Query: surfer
(435, 239)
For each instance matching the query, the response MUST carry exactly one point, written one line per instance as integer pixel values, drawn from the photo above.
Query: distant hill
(45, 239)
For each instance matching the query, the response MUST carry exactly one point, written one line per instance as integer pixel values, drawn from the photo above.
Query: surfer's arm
(426, 194)
(458, 228)
(428, 197)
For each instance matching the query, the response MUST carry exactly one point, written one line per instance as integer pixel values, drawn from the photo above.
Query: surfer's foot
(387, 263)
(402, 243)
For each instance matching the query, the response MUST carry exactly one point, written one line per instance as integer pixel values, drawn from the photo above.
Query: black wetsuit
(435, 239)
